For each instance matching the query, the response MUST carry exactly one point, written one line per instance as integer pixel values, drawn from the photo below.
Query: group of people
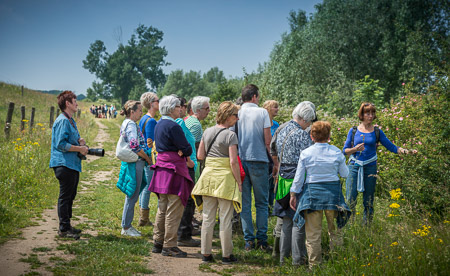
(103, 111)
(245, 155)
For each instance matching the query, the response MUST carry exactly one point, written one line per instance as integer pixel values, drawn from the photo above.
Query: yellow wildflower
(395, 194)
(394, 205)
(399, 257)
(440, 240)
(394, 244)
(18, 139)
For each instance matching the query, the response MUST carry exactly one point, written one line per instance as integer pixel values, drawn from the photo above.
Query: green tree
(323, 56)
(368, 90)
(131, 67)
(98, 91)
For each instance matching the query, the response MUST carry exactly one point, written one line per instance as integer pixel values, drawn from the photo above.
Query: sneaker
(189, 243)
(230, 260)
(130, 232)
(208, 259)
(249, 245)
(68, 234)
(157, 247)
(173, 252)
(264, 246)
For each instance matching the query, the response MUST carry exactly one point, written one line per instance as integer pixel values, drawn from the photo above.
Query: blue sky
(44, 42)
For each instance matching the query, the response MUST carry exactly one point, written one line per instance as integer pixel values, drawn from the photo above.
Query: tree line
(346, 52)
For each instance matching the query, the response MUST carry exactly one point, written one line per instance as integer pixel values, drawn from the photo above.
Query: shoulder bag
(123, 150)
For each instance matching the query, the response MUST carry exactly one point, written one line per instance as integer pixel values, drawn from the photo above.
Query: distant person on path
(254, 139)
(361, 145)
(64, 159)
(147, 125)
(200, 108)
(220, 184)
(185, 231)
(131, 178)
(318, 187)
(171, 180)
(288, 142)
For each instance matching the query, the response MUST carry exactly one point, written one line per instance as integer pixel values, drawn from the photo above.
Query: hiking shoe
(173, 252)
(75, 230)
(196, 232)
(68, 234)
(264, 246)
(130, 232)
(157, 247)
(230, 260)
(208, 259)
(189, 243)
(249, 245)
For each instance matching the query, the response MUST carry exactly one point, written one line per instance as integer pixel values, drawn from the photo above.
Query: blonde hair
(147, 98)
(225, 110)
(128, 106)
(269, 104)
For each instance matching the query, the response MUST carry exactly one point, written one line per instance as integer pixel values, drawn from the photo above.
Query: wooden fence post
(22, 90)
(52, 114)
(22, 122)
(78, 113)
(32, 119)
(57, 112)
(9, 119)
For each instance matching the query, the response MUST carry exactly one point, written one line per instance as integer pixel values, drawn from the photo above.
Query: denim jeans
(128, 207)
(370, 181)
(256, 177)
(144, 198)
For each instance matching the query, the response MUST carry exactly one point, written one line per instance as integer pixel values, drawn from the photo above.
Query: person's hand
(293, 202)
(149, 142)
(274, 171)
(82, 142)
(180, 153)
(190, 163)
(84, 150)
(359, 147)
(240, 187)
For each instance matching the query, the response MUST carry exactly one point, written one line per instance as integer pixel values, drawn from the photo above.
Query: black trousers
(68, 184)
(185, 229)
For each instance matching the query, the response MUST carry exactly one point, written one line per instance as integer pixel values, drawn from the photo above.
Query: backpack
(377, 135)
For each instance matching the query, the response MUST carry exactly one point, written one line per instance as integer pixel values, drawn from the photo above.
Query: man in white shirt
(254, 136)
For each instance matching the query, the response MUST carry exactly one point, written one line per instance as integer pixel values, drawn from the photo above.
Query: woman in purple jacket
(171, 180)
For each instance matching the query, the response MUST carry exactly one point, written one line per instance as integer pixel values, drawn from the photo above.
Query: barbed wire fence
(9, 117)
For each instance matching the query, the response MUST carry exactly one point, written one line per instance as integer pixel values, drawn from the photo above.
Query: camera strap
(71, 122)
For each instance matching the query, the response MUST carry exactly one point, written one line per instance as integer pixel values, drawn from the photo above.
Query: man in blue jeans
(253, 131)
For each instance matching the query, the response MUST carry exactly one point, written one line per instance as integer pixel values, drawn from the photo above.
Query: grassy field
(402, 240)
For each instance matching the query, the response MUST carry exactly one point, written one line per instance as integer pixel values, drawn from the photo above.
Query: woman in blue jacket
(361, 146)
(65, 161)
(131, 180)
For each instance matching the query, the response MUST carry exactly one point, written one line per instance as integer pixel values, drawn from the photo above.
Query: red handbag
(241, 169)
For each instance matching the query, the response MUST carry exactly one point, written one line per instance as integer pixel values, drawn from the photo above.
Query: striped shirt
(195, 127)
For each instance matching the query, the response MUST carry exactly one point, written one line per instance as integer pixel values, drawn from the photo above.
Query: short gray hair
(167, 104)
(147, 98)
(305, 110)
(198, 102)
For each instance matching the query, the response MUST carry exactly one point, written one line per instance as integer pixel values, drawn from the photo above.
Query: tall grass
(27, 184)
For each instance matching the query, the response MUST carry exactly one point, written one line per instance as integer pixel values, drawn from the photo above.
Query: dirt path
(43, 238)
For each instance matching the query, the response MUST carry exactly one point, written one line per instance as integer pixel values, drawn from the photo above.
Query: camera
(96, 152)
